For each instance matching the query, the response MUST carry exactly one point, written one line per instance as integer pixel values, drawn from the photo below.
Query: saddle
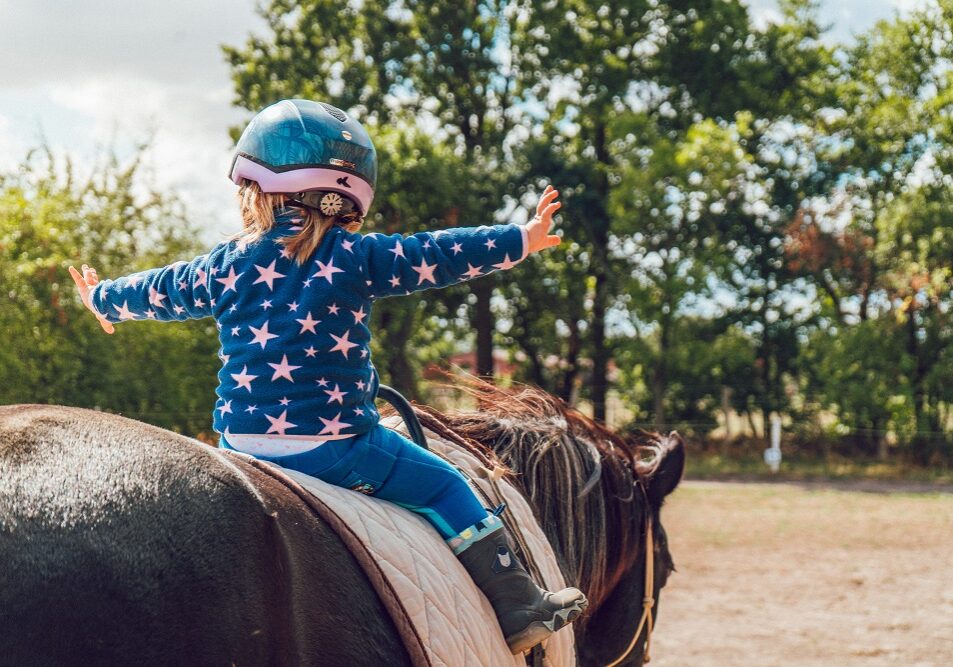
(442, 616)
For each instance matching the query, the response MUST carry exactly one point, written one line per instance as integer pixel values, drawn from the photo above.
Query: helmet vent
(334, 111)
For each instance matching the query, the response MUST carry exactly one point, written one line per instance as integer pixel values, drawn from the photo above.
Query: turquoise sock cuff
(475, 533)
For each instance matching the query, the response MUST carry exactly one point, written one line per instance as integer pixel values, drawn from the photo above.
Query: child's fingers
(107, 326)
(547, 214)
(90, 276)
(80, 282)
(548, 196)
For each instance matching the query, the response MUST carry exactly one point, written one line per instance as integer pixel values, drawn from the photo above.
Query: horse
(121, 542)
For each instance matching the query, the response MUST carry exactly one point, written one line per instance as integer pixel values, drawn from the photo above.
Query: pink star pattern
(505, 264)
(335, 394)
(343, 344)
(155, 298)
(333, 426)
(262, 336)
(359, 315)
(268, 275)
(425, 272)
(327, 270)
(473, 271)
(230, 280)
(283, 370)
(244, 379)
(124, 312)
(308, 324)
(280, 424)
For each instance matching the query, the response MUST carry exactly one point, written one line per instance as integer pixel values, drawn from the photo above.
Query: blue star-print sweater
(295, 342)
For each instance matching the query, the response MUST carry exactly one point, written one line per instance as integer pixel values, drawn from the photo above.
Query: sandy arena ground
(779, 574)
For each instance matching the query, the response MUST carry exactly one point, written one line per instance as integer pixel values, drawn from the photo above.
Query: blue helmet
(311, 149)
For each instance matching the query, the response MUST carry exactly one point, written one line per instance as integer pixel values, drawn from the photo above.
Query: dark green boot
(527, 613)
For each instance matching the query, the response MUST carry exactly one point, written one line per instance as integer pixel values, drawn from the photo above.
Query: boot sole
(538, 631)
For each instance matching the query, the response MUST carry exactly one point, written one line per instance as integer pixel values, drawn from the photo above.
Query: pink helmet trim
(309, 178)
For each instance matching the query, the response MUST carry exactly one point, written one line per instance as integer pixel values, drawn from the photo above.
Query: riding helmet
(312, 151)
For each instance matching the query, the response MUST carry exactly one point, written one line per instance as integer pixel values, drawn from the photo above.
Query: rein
(648, 600)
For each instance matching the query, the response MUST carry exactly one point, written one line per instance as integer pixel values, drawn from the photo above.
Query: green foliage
(55, 351)
(750, 213)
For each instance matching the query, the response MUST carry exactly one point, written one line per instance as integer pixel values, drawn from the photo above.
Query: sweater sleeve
(395, 265)
(179, 291)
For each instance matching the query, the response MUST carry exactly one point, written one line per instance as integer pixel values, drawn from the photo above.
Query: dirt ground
(778, 574)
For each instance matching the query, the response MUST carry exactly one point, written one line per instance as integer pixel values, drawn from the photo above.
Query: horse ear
(670, 469)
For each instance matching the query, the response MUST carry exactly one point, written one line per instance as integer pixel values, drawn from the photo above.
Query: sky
(82, 76)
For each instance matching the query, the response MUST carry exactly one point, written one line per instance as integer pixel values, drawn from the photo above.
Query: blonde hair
(258, 217)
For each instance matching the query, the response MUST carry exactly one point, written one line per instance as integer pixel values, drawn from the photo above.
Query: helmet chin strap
(328, 202)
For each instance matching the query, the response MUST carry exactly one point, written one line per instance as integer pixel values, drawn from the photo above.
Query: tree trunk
(483, 323)
(880, 440)
(600, 271)
(600, 351)
(658, 395)
(568, 380)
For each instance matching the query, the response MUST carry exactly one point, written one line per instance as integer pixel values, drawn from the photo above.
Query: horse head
(618, 629)
(595, 493)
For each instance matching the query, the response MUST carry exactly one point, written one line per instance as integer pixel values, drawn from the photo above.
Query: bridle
(648, 601)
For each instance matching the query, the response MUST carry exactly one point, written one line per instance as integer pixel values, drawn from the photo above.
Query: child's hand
(83, 283)
(537, 231)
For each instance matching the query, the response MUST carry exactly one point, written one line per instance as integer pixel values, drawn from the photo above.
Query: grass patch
(751, 466)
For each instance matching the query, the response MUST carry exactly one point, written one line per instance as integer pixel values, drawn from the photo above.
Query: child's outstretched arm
(179, 291)
(399, 265)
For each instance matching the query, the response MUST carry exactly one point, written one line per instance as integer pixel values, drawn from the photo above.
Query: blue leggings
(384, 464)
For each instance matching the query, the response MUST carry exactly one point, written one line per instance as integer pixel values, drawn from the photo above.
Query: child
(291, 295)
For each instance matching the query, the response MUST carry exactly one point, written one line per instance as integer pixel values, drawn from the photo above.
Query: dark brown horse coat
(122, 543)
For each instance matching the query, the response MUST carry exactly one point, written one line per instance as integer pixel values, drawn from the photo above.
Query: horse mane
(557, 455)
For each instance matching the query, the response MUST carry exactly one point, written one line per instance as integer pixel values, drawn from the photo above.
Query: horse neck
(595, 535)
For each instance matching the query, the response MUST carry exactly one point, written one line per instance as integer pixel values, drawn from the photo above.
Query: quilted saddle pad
(446, 619)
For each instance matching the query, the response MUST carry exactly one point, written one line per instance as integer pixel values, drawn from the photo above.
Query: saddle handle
(406, 412)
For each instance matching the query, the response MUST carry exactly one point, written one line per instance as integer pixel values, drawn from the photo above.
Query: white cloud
(112, 74)
(169, 40)
(10, 147)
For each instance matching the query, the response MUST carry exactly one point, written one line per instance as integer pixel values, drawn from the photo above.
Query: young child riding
(292, 294)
